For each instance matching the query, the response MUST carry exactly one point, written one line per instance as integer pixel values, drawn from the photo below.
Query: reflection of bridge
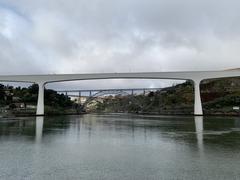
(195, 76)
(198, 121)
(93, 93)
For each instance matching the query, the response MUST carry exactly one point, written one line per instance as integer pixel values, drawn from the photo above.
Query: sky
(99, 36)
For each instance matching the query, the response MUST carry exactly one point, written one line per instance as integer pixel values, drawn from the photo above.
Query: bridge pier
(197, 99)
(40, 102)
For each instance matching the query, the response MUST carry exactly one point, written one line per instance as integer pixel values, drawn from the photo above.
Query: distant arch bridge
(92, 94)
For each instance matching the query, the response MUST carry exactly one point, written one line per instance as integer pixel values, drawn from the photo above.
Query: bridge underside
(197, 97)
(197, 100)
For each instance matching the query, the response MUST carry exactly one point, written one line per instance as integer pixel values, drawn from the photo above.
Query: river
(120, 146)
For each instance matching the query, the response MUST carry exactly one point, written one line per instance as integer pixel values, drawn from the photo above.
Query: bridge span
(195, 76)
(84, 96)
(90, 92)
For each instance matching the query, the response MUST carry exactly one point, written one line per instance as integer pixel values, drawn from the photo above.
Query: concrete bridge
(195, 76)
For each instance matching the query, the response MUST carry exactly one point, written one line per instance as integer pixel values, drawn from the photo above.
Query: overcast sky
(88, 36)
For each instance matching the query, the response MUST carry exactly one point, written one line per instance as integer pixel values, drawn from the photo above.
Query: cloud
(78, 36)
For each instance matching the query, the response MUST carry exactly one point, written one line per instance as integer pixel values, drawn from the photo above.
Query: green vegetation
(219, 96)
(21, 101)
(172, 100)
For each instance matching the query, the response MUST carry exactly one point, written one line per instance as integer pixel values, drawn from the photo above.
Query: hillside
(219, 96)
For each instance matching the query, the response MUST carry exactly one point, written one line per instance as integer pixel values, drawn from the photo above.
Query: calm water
(120, 147)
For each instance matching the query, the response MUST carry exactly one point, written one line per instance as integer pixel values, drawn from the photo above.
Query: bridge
(195, 76)
(86, 96)
(100, 92)
(92, 91)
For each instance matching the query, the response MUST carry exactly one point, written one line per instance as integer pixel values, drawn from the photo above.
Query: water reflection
(39, 128)
(120, 147)
(199, 131)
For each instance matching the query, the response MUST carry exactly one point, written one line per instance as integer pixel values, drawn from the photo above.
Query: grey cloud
(78, 36)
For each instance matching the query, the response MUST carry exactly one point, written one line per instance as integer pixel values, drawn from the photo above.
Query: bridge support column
(197, 99)
(40, 103)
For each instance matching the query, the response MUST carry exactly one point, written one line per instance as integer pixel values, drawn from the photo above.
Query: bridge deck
(96, 90)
